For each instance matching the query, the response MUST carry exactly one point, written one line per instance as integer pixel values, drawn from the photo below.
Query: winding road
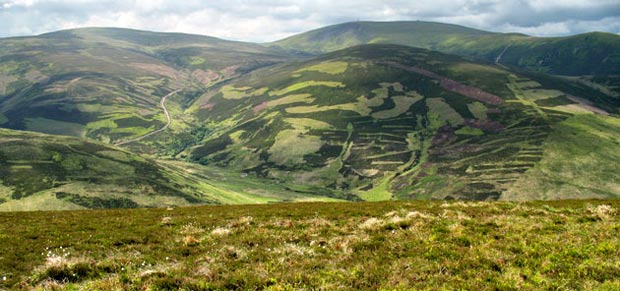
(162, 103)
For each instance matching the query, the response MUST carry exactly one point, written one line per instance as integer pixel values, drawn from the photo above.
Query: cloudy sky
(267, 20)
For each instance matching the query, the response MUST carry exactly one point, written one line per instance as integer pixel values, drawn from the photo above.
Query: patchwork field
(383, 122)
(249, 123)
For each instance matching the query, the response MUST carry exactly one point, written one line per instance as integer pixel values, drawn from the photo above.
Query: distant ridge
(594, 53)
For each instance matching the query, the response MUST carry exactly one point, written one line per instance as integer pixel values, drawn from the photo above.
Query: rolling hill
(48, 172)
(254, 123)
(52, 172)
(116, 118)
(585, 54)
(394, 122)
(106, 84)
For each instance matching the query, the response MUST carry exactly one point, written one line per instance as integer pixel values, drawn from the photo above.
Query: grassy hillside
(45, 172)
(585, 54)
(414, 33)
(369, 122)
(106, 83)
(381, 122)
(322, 246)
(51, 172)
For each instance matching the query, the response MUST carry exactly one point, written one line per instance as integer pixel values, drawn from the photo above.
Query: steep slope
(386, 121)
(47, 172)
(106, 83)
(585, 54)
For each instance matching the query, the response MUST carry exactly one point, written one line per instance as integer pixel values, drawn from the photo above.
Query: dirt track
(162, 103)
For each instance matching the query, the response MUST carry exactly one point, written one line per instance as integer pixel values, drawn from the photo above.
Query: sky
(269, 20)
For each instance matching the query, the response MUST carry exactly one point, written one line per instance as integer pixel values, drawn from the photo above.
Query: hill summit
(593, 53)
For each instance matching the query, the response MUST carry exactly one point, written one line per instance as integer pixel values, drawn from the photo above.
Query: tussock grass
(317, 246)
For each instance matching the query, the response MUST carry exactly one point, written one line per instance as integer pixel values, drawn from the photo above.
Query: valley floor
(415, 245)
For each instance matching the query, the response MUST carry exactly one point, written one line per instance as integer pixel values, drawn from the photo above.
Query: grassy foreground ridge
(416, 245)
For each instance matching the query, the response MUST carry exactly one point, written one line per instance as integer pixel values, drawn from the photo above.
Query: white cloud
(14, 3)
(545, 29)
(262, 20)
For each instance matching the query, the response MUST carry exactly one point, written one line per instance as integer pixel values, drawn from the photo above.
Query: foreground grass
(329, 246)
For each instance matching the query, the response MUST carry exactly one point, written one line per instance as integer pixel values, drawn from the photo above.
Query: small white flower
(122, 268)
(167, 258)
(4, 278)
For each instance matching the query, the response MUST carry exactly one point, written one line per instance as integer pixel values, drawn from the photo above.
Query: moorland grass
(422, 245)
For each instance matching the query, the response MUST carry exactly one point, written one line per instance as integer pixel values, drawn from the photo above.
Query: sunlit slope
(584, 54)
(47, 172)
(53, 172)
(106, 84)
(385, 121)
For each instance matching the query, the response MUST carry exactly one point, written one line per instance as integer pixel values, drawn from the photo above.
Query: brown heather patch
(260, 107)
(451, 85)
(230, 70)
(208, 106)
(206, 77)
(159, 69)
(35, 76)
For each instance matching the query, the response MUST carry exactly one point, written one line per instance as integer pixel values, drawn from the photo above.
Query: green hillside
(430, 245)
(414, 155)
(233, 122)
(46, 172)
(106, 84)
(51, 172)
(392, 122)
(585, 54)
